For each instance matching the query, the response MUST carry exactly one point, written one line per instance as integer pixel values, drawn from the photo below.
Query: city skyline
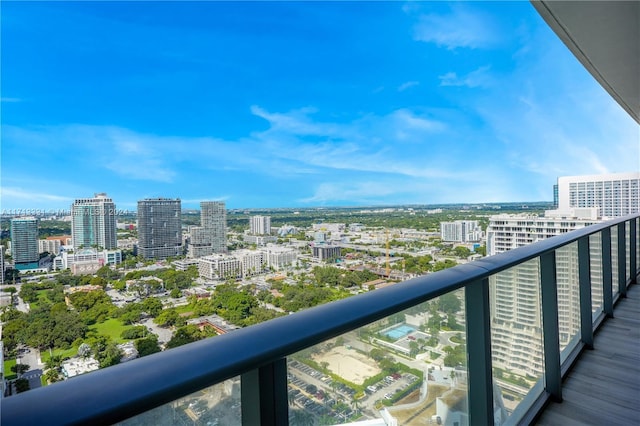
(297, 105)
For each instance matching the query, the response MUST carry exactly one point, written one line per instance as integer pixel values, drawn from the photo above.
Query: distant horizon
(297, 104)
(61, 212)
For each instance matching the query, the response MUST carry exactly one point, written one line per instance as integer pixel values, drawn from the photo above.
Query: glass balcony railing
(482, 343)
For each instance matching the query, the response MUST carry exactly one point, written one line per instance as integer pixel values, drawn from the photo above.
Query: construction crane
(388, 269)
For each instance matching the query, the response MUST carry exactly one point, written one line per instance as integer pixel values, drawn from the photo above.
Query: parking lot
(303, 379)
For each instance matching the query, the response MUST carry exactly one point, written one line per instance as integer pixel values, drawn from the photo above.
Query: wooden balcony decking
(603, 387)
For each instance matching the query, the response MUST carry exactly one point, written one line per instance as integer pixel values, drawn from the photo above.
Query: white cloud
(407, 85)
(462, 28)
(477, 78)
(12, 195)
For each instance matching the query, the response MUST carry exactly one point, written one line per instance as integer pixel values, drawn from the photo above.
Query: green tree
(20, 368)
(449, 303)
(152, 306)
(168, 317)
(11, 275)
(107, 273)
(147, 346)
(136, 332)
(28, 293)
(52, 376)
(22, 385)
(184, 335)
(54, 362)
(106, 352)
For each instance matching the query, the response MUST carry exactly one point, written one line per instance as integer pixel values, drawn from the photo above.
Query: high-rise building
(515, 293)
(616, 194)
(462, 231)
(260, 225)
(24, 243)
(93, 222)
(213, 218)
(159, 228)
(1, 265)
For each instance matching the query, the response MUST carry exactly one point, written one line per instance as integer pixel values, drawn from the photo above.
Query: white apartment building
(461, 231)
(508, 231)
(219, 266)
(86, 261)
(252, 261)
(279, 257)
(260, 225)
(259, 240)
(515, 293)
(49, 246)
(616, 194)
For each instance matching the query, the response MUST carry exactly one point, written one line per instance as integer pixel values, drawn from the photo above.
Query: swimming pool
(399, 332)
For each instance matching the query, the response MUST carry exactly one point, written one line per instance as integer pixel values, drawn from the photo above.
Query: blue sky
(283, 104)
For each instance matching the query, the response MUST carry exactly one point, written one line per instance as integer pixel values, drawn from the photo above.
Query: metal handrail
(116, 393)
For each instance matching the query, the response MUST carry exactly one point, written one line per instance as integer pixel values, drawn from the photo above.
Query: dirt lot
(348, 364)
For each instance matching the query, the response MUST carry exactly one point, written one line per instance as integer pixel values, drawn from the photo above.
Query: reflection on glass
(637, 242)
(614, 259)
(595, 255)
(568, 296)
(627, 253)
(409, 367)
(215, 405)
(516, 336)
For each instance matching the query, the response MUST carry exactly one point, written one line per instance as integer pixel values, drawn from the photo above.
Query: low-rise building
(86, 261)
(76, 366)
(219, 266)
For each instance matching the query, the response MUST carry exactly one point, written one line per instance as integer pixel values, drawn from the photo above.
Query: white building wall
(616, 194)
(260, 225)
(279, 257)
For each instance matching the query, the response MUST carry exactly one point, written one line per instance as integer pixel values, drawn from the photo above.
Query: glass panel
(637, 243)
(627, 252)
(215, 405)
(568, 297)
(614, 260)
(595, 251)
(516, 338)
(409, 367)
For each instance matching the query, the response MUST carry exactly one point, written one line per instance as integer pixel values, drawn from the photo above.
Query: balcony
(330, 345)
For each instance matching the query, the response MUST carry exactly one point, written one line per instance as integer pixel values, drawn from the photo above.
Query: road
(164, 334)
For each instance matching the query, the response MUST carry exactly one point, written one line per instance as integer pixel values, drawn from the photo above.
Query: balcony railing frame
(258, 354)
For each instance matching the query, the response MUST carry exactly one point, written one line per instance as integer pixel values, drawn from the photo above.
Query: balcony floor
(603, 387)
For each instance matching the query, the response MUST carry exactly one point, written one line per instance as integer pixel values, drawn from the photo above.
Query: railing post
(607, 272)
(549, 290)
(479, 345)
(633, 255)
(264, 395)
(622, 260)
(584, 279)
